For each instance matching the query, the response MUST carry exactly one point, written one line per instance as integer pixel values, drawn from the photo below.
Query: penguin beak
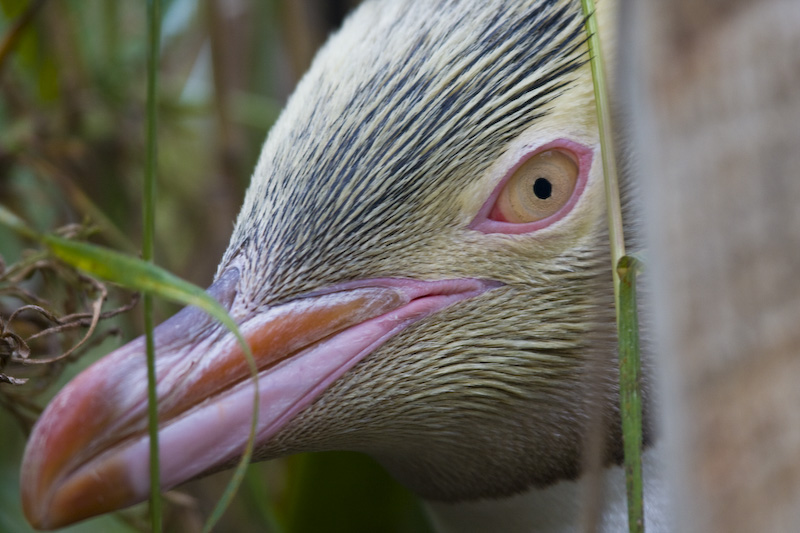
(89, 452)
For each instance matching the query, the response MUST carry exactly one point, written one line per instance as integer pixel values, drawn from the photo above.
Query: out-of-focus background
(709, 89)
(72, 111)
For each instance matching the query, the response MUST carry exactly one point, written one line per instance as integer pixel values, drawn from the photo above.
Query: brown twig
(15, 32)
(45, 318)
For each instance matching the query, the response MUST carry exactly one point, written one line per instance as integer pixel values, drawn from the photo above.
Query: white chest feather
(558, 509)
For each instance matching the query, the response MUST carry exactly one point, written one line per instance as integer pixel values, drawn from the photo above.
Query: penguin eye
(537, 189)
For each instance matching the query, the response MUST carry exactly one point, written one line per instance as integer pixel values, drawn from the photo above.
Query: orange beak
(89, 452)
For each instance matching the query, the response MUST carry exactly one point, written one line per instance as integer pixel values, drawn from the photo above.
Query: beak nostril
(194, 322)
(224, 288)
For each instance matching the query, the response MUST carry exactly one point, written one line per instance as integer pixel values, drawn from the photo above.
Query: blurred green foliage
(72, 90)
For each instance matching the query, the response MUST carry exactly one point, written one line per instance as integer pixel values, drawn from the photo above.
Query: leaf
(145, 277)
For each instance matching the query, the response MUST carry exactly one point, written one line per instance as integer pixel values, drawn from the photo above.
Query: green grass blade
(241, 468)
(153, 33)
(10, 220)
(257, 494)
(627, 323)
(630, 395)
(145, 277)
(11, 37)
(148, 215)
(150, 279)
(134, 274)
(610, 173)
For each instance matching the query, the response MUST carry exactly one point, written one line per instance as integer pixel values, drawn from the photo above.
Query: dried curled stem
(49, 316)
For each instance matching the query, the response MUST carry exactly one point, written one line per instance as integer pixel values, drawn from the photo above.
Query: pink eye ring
(540, 189)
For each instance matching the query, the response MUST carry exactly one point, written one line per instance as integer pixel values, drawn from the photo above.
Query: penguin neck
(559, 507)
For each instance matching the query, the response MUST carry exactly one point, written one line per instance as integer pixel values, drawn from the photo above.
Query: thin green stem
(153, 39)
(111, 33)
(630, 397)
(146, 277)
(11, 37)
(150, 279)
(258, 494)
(153, 31)
(10, 220)
(604, 124)
(627, 321)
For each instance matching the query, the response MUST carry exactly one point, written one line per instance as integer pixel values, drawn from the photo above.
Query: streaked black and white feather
(390, 145)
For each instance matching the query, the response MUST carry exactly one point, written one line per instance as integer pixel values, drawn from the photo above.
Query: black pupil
(542, 188)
